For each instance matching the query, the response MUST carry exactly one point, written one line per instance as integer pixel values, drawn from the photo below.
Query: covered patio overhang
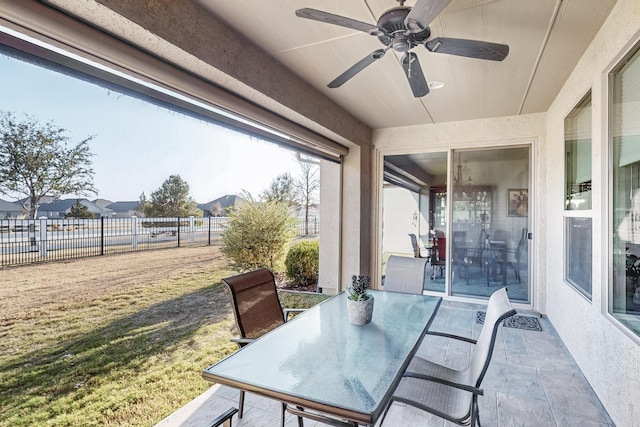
(225, 54)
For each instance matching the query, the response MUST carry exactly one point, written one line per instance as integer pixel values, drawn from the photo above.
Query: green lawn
(129, 357)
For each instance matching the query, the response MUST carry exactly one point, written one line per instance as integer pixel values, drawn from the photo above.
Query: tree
(307, 186)
(78, 210)
(282, 189)
(171, 200)
(143, 204)
(258, 235)
(39, 160)
(216, 209)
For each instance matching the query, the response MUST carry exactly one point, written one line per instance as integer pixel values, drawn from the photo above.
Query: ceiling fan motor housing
(391, 23)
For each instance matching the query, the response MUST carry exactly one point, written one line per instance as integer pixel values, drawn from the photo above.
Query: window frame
(632, 48)
(577, 213)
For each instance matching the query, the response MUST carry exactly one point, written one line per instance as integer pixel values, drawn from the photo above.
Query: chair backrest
(440, 248)
(404, 274)
(522, 244)
(482, 240)
(415, 245)
(255, 301)
(498, 309)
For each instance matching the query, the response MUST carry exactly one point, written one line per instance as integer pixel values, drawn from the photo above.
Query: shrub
(257, 235)
(302, 263)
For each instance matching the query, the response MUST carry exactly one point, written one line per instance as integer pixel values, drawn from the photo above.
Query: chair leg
(475, 412)
(386, 411)
(284, 410)
(241, 404)
(300, 420)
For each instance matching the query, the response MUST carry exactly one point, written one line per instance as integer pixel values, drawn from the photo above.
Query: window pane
(414, 209)
(625, 138)
(490, 216)
(577, 137)
(578, 261)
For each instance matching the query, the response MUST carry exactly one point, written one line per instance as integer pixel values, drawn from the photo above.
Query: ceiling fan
(403, 28)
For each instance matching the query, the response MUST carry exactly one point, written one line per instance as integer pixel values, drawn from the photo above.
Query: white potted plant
(359, 302)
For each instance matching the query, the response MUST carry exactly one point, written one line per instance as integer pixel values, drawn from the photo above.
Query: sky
(138, 145)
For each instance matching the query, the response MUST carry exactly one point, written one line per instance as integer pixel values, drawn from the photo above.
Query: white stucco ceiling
(546, 39)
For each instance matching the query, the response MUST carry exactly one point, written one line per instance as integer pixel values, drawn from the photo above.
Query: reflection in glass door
(490, 222)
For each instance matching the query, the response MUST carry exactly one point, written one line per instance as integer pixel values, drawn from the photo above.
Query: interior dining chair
(449, 393)
(496, 261)
(404, 274)
(439, 257)
(475, 257)
(415, 245)
(257, 309)
(515, 256)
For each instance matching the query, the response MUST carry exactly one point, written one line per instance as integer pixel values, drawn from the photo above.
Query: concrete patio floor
(532, 381)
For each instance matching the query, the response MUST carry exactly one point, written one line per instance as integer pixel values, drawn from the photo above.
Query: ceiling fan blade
(330, 18)
(423, 13)
(469, 48)
(415, 77)
(357, 67)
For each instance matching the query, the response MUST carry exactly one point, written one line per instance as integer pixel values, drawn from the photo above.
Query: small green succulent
(358, 289)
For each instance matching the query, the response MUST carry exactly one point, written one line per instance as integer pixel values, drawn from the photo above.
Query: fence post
(43, 236)
(134, 232)
(209, 232)
(32, 235)
(101, 235)
(178, 231)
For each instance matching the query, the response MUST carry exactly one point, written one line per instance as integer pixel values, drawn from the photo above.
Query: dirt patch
(31, 288)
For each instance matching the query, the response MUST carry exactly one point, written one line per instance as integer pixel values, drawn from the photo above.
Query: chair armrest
(455, 337)
(431, 378)
(288, 311)
(224, 417)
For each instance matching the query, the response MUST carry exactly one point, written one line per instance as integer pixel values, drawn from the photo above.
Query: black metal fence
(29, 241)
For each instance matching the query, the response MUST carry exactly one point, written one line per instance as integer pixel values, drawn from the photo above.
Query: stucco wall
(609, 359)
(400, 217)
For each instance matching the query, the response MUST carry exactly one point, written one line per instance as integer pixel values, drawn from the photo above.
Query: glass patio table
(320, 363)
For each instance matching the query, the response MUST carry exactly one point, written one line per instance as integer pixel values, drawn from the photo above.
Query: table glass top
(320, 357)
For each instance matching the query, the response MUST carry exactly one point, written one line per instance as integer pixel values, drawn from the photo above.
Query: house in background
(220, 206)
(59, 209)
(10, 210)
(102, 203)
(124, 209)
(25, 204)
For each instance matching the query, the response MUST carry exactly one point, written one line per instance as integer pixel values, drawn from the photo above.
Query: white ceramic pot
(360, 312)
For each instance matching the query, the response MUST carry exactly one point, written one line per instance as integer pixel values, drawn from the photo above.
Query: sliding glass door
(467, 211)
(490, 222)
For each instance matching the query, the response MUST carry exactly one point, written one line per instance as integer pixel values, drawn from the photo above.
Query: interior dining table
(322, 367)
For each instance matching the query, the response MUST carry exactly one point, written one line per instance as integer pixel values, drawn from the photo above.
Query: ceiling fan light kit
(403, 28)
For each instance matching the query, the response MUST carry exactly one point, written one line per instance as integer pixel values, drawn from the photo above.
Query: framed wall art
(518, 202)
